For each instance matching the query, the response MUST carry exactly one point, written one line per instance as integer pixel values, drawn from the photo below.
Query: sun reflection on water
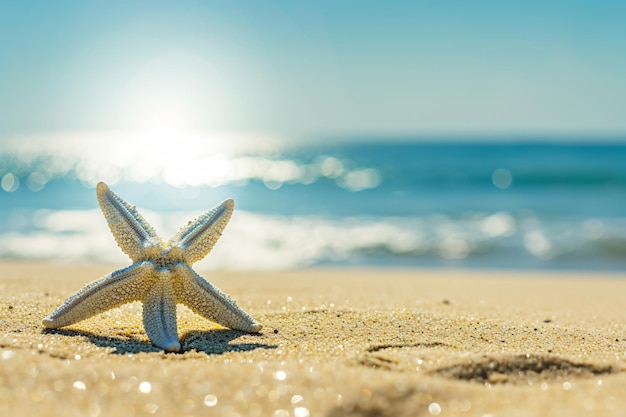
(174, 158)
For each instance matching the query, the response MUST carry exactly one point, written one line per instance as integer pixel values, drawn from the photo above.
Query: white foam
(263, 241)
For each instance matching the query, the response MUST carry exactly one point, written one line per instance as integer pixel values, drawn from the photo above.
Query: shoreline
(336, 342)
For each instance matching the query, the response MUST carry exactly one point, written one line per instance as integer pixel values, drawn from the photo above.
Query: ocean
(510, 204)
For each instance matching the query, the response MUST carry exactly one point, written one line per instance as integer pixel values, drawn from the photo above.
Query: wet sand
(335, 343)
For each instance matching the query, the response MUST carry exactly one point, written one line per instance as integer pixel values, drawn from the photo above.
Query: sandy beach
(335, 343)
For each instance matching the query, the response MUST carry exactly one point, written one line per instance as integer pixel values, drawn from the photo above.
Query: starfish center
(164, 255)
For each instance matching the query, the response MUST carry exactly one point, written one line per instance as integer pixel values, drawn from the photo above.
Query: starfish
(160, 275)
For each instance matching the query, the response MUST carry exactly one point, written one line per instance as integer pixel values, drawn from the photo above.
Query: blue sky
(336, 67)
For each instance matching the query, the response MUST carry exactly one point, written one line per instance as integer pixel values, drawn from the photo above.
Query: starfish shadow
(121, 345)
(214, 342)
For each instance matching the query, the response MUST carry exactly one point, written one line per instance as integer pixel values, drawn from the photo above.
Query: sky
(313, 68)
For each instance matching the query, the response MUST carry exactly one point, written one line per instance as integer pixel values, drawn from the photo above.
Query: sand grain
(335, 343)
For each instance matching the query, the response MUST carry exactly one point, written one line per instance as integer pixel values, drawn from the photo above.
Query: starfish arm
(113, 290)
(208, 301)
(199, 236)
(159, 313)
(132, 233)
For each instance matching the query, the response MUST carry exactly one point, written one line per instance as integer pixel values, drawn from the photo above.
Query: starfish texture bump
(160, 275)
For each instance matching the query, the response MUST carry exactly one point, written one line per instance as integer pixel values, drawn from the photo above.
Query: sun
(162, 117)
(175, 92)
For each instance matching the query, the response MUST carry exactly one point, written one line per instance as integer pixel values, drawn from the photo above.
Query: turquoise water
(541, 205)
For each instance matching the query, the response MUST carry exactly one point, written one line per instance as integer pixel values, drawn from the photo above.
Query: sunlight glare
(178, 158)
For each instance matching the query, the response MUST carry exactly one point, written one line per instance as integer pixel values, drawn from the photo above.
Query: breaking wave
(261, 241)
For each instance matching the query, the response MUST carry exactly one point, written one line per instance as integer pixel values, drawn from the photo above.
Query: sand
(335, 343)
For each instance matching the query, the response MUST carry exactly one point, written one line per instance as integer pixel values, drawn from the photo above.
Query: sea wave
(393, 204)
(262, 241)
